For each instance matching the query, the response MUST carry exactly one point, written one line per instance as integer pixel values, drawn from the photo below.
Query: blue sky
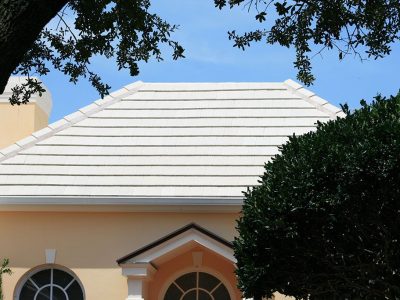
(210, 57)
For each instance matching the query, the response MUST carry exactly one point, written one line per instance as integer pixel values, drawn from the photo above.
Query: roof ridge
(69, 120)
(309, 96)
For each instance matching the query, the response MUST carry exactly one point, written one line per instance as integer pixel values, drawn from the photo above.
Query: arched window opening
(197, 286)
(51, 284)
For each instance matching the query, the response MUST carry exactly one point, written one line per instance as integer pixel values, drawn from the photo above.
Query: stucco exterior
(20, 121)
(17, 122)
(90, 243)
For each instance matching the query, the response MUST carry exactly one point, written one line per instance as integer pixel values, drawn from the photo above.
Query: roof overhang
(116, 204)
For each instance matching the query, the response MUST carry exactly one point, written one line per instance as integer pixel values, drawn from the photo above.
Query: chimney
(19, 121)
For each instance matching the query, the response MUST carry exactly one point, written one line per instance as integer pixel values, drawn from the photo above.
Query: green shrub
(325, 221)
(4, 269)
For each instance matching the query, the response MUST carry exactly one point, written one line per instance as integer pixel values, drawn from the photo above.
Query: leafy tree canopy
(129, 32)
(360, 27)
(324, 221)
(125, 30)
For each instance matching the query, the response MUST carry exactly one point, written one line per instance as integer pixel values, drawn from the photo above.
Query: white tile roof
(163, 140)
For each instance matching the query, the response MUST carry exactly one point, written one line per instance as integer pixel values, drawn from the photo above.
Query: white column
(138, 275)
(135, 289)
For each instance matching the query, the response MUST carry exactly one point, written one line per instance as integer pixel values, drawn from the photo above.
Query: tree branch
(21, 22)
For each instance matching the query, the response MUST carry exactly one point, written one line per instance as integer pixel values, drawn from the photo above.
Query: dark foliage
(120, 29)
(325, 221)
(4, 269)
(348, 26)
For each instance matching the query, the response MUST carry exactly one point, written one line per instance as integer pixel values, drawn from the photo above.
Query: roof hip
(69, 120)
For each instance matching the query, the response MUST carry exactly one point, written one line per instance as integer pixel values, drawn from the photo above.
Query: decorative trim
(50, 256)
(309, 96)
(39, 268)
(139, 270)
(148, 254)
(197, 259)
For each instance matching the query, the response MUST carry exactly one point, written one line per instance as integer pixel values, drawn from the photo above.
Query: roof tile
(163, 140)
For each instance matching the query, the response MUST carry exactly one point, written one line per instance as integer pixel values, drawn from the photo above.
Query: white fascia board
(180, 240)
(37, 203)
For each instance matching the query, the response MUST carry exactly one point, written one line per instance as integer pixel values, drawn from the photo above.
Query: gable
(179, 238)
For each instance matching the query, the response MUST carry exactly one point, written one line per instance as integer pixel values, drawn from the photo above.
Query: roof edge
(105, 200)
(121, 204)
(309, 96)
(171, 236)
(68, 120)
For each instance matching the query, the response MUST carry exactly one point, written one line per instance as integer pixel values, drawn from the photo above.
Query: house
(136, 195)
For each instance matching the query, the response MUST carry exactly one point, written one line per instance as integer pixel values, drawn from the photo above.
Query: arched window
(51, 284)
(197, 286)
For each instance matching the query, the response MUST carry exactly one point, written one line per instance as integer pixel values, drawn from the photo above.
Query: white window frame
(27, 276)
(210, 271)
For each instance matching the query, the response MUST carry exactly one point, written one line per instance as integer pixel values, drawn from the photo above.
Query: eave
(121, 204)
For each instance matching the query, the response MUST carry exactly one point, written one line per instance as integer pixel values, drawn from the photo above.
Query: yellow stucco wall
(17, 122)
(90, 243)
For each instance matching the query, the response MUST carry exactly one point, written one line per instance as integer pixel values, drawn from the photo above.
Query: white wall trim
(179, 241)
(139, 270)
(34, 270)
